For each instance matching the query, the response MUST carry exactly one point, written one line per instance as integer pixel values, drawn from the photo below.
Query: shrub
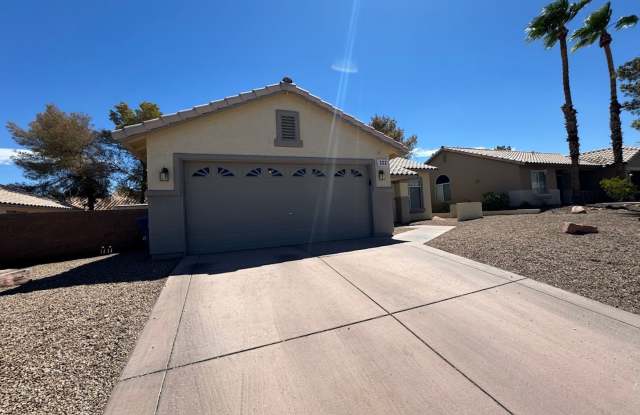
(495, 201)
(618, 188)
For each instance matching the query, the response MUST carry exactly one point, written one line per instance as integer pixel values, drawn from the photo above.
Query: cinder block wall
(37, 237)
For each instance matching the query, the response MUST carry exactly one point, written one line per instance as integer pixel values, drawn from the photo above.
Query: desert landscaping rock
(578, 229)
(604, 266)
(577, 209)
(67, 334)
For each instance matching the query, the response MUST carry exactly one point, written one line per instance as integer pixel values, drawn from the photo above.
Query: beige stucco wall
(250, 129)
(401, 195)
(472, 176)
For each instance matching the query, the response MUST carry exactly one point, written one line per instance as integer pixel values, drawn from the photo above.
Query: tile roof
(404, 167)
(213, 106)
(604, 156)
(108, 203)
(15, 197)
(519, 157)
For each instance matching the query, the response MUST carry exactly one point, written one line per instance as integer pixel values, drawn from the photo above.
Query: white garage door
(233, 206)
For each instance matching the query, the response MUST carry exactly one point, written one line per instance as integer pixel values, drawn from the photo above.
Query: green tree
(595, 28)
(133, 181)
(551, 26)
(65, 156)
(389, 127)
(629, 73)
(503, 148)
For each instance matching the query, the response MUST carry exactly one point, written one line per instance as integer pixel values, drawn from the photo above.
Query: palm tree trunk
(614, 107)
(570, 122)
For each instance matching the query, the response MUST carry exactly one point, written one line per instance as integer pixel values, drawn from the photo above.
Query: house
(604, 158)
(269, 167)
(116, 201)
(17, 201)
(530, 178)
(411, 183)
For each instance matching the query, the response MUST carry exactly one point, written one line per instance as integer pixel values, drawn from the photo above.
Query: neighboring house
(604, 158)
(529, 178)
(17, 201)
(114, 202)
(269, 167)
(412, 190)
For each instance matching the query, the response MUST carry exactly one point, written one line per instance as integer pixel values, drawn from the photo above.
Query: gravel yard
(66, 335)
(603, 266)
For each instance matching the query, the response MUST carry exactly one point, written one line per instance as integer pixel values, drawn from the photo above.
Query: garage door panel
(248, 205)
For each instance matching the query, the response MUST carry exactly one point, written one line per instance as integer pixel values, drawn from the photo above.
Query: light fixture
(164, 174)
(381, 175)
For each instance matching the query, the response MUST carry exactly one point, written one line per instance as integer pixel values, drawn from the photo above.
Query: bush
(618, 188)
(495, 201)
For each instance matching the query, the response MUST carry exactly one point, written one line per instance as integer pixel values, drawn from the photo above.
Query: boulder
(578, 209)
(578, 229)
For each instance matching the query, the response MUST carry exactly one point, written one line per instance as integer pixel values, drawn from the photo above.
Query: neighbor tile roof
(604, 156)
(169, 119)
(404, 167)
(14, 197)
(106, 203)
(519, 157)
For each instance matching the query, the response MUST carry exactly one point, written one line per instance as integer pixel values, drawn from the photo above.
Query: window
(287, 129)
(415, 195)
(255, 172)
(356, 173)
(225, 172)
(539, 181)
(317, 173)
(443, 189)
(202, 172)
(340, 173)
(299, 173)
(274, 172)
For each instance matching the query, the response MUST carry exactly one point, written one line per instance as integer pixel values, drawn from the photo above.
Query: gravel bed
(66, 335)
(603, 266)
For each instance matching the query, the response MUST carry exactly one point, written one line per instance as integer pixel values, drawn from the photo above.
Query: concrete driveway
(375, 327)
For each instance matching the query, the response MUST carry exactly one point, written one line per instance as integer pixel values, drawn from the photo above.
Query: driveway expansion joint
(392, 315)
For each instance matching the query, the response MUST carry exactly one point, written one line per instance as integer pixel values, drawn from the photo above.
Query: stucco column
(403, 204)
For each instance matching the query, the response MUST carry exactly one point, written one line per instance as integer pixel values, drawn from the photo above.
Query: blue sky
(454, 73)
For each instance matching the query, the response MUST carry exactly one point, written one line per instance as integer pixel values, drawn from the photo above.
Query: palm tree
(551, 26)
(595, 28)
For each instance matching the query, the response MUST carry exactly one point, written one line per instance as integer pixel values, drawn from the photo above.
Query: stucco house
(272, 166)
(604, 157)
(411, 181)
(530, 178)
(17, 201)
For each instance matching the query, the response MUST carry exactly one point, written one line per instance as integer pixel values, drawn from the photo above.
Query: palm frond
(594, 25)
(575, 8)
(626, 22)
(550, 24)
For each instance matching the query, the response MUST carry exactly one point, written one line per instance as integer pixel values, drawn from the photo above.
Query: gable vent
(288, 128)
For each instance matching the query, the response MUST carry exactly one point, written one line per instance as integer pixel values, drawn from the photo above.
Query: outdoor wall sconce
(381, 175)
(164, 174)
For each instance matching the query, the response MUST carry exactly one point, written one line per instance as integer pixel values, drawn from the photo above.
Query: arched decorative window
(317, 173)
(225, 172)
(255, 172)
(443, 188)
(274, 172)
(201, 172)
(299, 173)
(356, 173)
(340, 173)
